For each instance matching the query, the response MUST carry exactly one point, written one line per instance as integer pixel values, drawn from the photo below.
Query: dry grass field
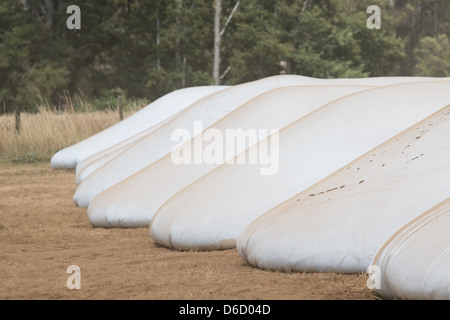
(46, 132)
(42, 232)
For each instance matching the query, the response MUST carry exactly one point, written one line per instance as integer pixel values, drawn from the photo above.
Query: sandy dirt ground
(42, 233)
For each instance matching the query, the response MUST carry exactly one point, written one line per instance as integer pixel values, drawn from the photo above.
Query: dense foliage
(146, 48)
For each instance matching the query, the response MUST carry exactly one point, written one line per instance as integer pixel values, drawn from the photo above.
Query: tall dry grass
(44, 133)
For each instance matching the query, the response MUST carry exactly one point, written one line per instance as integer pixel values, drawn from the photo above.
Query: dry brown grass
(42, 232)
(46, 132)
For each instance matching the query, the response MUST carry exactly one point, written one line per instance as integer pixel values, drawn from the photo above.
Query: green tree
(34, 58)
(415, 20)
(149, 48)
(433, 57)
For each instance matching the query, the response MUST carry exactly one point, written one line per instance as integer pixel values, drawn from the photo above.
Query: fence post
(120, 108)
(17, 116)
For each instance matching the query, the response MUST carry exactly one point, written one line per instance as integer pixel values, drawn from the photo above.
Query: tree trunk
(435, 19)
(178, 62)
(17, 117)
(26, 5)
(183, 79)
(119, 100)
(305, 5)
(178, 28)
(217, 42)
(158, 40)
(49, 13)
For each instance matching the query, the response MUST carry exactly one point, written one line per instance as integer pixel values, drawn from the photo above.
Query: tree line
(147, 48)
